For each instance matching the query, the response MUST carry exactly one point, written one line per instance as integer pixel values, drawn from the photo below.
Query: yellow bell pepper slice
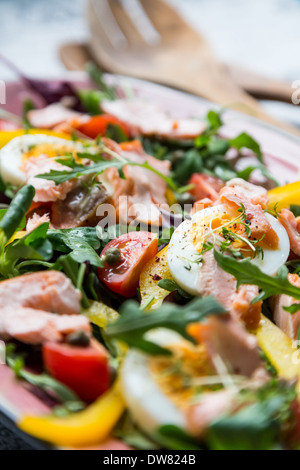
(280, 350)
(284, 196)
(100, 314)
(86, 428)
(7, 136)
(17, 236)
(155, 270)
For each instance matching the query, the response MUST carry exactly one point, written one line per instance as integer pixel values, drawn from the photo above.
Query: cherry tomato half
(137, 248)
(97, 125)
(84, 369)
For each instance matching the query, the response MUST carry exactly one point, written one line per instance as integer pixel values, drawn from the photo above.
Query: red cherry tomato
(83, 369)
(97, 125)
(137, 248)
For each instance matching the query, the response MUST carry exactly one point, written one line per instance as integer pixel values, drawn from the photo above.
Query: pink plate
(282, 153)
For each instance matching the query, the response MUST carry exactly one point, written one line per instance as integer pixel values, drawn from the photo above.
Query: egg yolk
(177, 375)
(49, 150)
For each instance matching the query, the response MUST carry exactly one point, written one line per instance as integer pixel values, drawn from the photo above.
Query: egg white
(183, 258)
(11, 155)
(149, 407)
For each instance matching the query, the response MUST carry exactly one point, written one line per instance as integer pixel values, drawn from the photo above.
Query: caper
(78, 338)
(112, 256)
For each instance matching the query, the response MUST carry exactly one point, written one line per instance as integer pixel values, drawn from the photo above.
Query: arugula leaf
(134, 323)
(244, 140)
(79, 170)
(257, 426)
(171, 286)
(246, 272)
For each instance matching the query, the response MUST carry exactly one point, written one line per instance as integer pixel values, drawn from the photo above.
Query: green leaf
(295, 210)
(134, 323)
(91, 99)
(171, 286)
(246, 272)
(257, 426)
(116, 133)
(173, 438)
(80, 243)
(79, 170)
(244, 140)
(292, 309)
(190, 163)
(96, 76)
(42, 381)
(215, 121)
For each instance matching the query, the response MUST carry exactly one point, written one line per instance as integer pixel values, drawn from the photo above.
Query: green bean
(15, 213)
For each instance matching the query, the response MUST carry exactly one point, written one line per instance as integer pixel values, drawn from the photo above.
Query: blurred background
(262, 36)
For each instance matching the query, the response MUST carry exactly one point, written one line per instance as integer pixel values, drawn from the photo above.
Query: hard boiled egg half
(159, 389)
(13, 155)
(184, 252)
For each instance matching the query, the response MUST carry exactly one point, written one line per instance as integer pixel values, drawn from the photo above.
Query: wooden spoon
(181, 58)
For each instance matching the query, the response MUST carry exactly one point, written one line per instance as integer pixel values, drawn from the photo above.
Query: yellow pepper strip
(100, 314)
(279, 349)
(86, 428)
(170, 196)
(284, 196)
(7, 136)
(17, 236)
(153, 272)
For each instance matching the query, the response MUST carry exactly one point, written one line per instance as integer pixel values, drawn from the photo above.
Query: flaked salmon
(287, 322)
(146, 118)
(45, 190)
(255, 194)
(234, 198)
(40, 307)
(51, 116)
(138, 197)
(214, 281)
(292, 226)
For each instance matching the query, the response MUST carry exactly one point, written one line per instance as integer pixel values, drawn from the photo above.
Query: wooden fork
(150, 40)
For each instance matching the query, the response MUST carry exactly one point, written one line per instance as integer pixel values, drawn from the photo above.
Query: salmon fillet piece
(216, 282)
(146, 118)
(233, 199)
(50, 116)
(291, 224)
(228, 339)
(255, 194)
(287, 322)
(45, 190)
(138, 196)
(40, 306)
